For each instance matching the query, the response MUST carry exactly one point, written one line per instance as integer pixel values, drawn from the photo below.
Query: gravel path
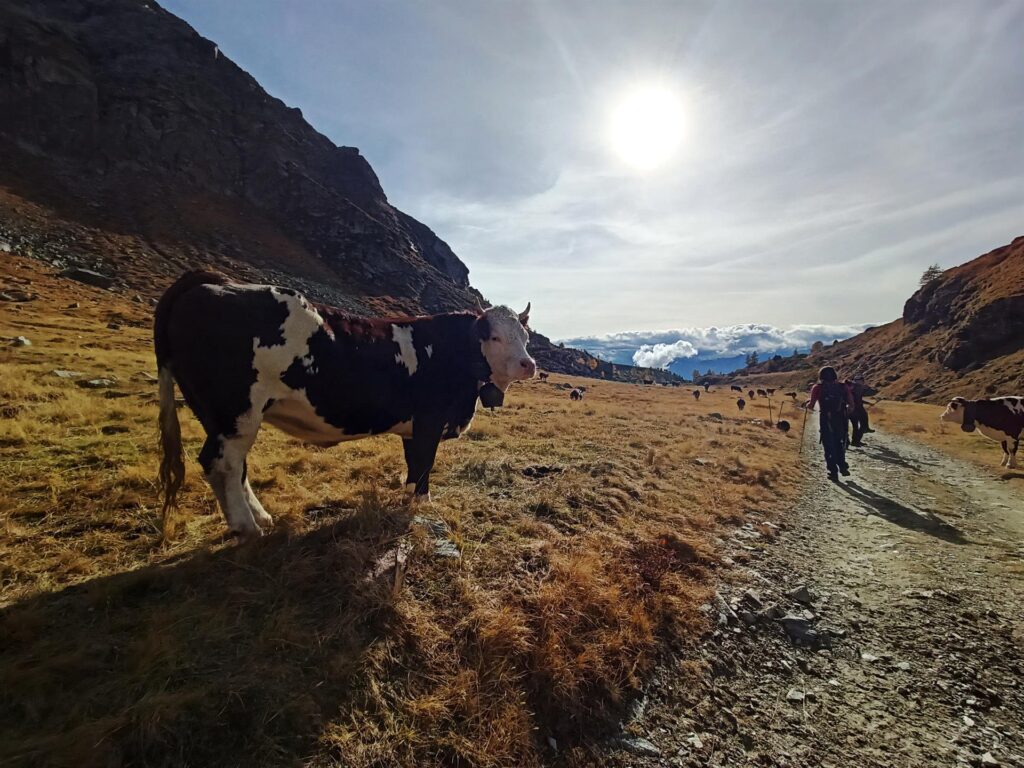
(905, 647)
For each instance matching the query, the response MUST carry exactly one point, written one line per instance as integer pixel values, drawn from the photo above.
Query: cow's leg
(223, 461)
(259, 514)
(1006, 455)
(1012, 463)
(420, 452)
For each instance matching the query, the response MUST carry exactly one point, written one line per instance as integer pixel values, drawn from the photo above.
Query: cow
(696, 394)
(707, 387)
(762, 393)
(242, 354)
(736, 388)
(770, 392)
(750, 394)
(576, 394)
(792, 395)
(542, 376)
(741, 403)
(1000, 419)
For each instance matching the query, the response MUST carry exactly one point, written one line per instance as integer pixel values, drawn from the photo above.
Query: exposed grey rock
(795, 695)
(17, 295)
(96, 383)
(62, 374)
(21, 341)
(88, 276)
(802, 595)
(639, 746)
(438, 530)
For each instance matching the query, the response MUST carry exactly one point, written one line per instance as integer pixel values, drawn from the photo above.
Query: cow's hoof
(264, 520)
(245, 535)
(419, 499)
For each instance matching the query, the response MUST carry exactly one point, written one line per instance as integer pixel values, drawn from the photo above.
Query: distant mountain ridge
(960, 334)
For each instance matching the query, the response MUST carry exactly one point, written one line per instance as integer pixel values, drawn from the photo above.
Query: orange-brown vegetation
(588, 534)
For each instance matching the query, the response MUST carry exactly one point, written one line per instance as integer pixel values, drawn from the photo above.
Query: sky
(817, 155)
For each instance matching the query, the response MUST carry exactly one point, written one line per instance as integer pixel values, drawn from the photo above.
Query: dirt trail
(910, 651)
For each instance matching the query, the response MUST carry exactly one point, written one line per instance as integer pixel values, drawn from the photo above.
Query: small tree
(696, 375)
(817, 346)
(751, 359)
(933, 272)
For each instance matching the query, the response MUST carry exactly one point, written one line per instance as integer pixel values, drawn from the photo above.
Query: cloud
(660, 355)
(659, 349)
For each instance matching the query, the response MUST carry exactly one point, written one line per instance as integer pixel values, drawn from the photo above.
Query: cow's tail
(172, 455)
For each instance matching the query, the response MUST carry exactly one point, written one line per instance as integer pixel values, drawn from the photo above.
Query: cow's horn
(524, 316)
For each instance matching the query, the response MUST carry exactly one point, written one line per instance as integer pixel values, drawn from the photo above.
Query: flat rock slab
(88, 276)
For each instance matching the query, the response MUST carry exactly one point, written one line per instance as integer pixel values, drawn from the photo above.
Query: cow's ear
(524, 316)
(483, 327)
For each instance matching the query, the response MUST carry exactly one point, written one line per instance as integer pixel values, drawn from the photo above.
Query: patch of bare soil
(884, 626)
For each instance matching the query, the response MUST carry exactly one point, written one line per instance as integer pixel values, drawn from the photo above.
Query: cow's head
(958, 412)
(503, 338)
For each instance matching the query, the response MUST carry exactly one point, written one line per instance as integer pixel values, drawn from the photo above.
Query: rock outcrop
(119, 115)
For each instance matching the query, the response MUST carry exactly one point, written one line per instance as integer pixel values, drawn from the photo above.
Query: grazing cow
(707, 387)
(750, 394)
(770, 392)
(696, 394)
(741, 403)
(762, 393)
(783, 425)
(736, 388)
(244, 354)
(542, 376)
(576, 394)
(792, 395)
(1000, 419)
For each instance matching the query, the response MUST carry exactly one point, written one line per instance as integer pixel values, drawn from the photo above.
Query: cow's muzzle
(967, 426)
(491, 396)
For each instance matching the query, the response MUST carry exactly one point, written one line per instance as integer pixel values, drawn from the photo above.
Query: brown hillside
(961, 334)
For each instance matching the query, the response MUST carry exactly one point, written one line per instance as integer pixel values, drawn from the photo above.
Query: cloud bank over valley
(721, 349)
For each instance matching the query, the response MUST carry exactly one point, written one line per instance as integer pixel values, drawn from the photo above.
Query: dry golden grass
(587, 532)
(920, 421)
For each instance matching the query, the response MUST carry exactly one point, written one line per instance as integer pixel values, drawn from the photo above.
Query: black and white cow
(1000, 419)
(244, 354)
(736, 388)
(696, 394)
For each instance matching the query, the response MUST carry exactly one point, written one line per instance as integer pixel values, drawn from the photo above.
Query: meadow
(591, 533)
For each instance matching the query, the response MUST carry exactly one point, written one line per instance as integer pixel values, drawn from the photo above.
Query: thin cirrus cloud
(831, 151)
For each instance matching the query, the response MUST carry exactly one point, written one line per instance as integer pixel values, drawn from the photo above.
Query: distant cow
(736, 388)
(542, 376)
(244, 354)
(741, 403)
(1000, 419)
(750, 394)
(707, 387)
(762, 393)
(770, 392)
(696, 394)
(576, 394)
(792, 395)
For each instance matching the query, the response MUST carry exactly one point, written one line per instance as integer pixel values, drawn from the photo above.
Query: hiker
(858, 414)
(836, 402)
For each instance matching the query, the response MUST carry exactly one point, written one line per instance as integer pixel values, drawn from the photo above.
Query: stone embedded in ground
(444, 544)
(639, 746)
(96, 383)
(904, 666)
(17, 296)
(114, 429)
(802, 595)
(726, 615)
(62, 374)
(870, 658)
(752, 599)
(21, 341)
(694, 741)
(801, 632)
(988, 759)
(795, 695)
(88, 276)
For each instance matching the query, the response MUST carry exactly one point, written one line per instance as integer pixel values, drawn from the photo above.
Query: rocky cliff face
(976, 309)
(120, 116)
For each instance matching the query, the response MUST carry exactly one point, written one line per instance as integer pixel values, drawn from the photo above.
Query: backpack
(833, 399)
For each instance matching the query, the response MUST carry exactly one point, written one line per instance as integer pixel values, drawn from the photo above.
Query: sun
(646, 126)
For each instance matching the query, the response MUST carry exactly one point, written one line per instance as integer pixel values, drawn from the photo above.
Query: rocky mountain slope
(960, 334)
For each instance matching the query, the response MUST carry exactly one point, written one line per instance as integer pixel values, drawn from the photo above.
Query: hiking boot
(845, 471)
(868, 431)
(833, 476)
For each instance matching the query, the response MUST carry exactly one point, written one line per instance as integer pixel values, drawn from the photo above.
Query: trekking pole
(803, 431)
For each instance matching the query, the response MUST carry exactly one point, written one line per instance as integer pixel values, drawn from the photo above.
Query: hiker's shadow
(889, 456)
(234, 657)
(904, 516)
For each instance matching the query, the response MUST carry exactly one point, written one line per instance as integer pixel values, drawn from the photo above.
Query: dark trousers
(859, 422)
(833, 440)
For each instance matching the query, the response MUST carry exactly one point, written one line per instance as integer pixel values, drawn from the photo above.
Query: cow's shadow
(1011, 474)
(904, 516)
(233, 657)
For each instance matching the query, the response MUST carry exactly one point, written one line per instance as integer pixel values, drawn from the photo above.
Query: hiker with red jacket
(835, 403)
